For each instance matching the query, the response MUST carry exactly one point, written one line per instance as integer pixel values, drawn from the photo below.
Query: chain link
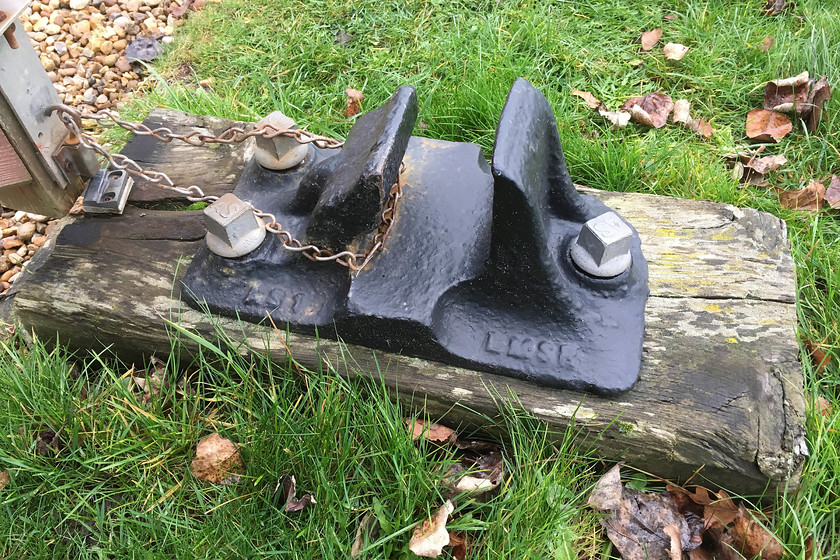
(73, 121)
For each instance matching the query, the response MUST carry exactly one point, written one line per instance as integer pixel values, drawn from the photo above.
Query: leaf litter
(809, 198)
(651, 109)
(431, 536)
(217, 460)
(678, 523)
(650, 38)
(765, 125)
(285, 493)
(799, 94)
(674, 51)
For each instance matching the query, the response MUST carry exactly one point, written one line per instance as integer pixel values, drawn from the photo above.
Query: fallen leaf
(670, 17)
(789, 93)
(773, 7)
(49, 443)
(818, 356)
(766, 164)
(619, 119)
(284, 493)
(681, 112)
(650, 38)
(458, 542)
(354, 102)
(651, 110)
(832, 193)
(198, 5)
(476, 475)
(674, 51)
(764, 125)
(673, 531)
(432, 432)
(824, 407)
(5, 479)
(752, 540)
(217, 460)
(637, 521)
(431, 536)
(810, 198)
(819, 96)
(342, 38)
(702, 128)
(591, 101)
(766, 44)
(363, 534)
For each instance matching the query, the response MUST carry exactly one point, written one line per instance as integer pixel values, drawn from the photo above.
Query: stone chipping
(84, 46)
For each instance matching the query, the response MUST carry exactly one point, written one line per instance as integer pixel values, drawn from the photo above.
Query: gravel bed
(90, 50)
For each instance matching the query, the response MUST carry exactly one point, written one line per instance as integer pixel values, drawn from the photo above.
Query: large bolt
(602, 248)
(233, 230)
(280, 152)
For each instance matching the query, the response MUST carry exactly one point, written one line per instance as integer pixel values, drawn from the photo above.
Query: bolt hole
(108, 196)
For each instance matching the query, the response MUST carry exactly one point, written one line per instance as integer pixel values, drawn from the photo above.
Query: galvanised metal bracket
(503, 268)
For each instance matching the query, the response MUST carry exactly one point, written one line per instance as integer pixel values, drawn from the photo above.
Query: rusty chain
(72, 119)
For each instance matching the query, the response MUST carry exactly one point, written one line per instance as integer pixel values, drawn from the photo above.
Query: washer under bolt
(280, 152)
(602, 248)
(233, 230)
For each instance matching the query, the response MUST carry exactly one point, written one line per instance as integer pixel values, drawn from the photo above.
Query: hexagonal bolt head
(233, 230)
(280, 152)
(602, 248)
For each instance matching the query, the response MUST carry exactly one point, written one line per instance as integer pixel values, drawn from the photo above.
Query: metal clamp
(107, 192)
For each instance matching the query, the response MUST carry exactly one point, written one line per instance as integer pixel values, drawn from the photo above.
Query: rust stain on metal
(9, 33)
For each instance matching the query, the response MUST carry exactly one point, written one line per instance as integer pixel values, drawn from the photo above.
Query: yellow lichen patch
(732, 340)
(712, 307)
(726, 235)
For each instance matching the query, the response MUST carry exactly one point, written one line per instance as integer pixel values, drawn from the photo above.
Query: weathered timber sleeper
(720, 387)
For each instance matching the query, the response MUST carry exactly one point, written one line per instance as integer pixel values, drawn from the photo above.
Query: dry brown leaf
(681, 112)
(431, 536)
(702, 128)
(217, 460)
(819, 96)
(284, 493)
(480, 475)
(365, 526)
(766, 44)
(673, 531)
(458, 542)
(618, 119)
(832, 193)
(818, 356)
(637, 521)
(764, 125)
(789, 93)
(432, 432)
(354, 102)
(669, 17)
(591, 101)
(766, 164)
(674, 51)
(650, 38)
(5, 479)
(824, 407)
(773, 7)
(651, 110)
(753, 540)
(810, 198)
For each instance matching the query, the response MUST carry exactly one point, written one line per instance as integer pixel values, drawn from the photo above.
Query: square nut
(230, 219)
(606, 237)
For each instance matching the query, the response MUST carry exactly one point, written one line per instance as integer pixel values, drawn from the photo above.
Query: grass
(123, 483)
(120, 485)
